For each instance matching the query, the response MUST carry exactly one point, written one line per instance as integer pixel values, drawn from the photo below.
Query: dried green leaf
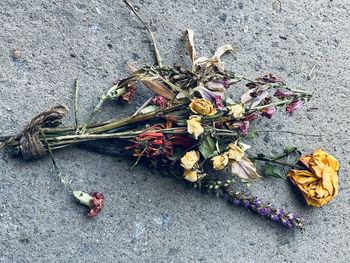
(208, 147)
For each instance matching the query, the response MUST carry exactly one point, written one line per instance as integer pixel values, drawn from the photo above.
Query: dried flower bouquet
(191, 124)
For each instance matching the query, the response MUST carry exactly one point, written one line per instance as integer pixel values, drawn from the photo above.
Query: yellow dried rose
(220, 162)
(191, 175)
(190, 160)
(235, 152)
(237, 111)
(318, 184)
(203, 107)
(194, 126)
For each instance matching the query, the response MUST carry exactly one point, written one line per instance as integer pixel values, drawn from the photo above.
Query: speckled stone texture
(149, 218)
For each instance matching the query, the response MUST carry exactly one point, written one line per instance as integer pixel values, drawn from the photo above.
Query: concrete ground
(149, 218)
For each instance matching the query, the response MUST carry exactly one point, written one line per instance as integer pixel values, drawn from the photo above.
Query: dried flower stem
(291, 132)
(276, 103)
(270, 160)
(92, 114)
(135, 119)
(77, 138)
(59, 173)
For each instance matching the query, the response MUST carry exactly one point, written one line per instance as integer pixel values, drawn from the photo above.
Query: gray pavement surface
(149, 218)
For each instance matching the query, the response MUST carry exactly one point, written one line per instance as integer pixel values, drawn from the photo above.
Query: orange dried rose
(318, 184)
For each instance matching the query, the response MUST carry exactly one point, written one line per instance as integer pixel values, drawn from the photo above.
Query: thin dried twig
(76, 102)
(142, 106)
(145, 24)
(291, 132)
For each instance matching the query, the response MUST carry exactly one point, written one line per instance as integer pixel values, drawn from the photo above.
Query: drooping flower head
(97, 203)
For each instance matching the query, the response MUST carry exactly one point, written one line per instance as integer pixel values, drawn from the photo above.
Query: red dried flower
(130, 93)
(94, 200)
(159, 101)
(182, 140)
(96, 203)
(152, 143)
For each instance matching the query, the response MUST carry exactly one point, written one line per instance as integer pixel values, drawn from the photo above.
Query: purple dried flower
(130, 93)
(287, 223)
(246, 203)
(219, 103)
(257, 201)
(94, 200)
(289, 220)
(281, 94)
(236, 202)
(208, 94)
(251, 117)
(274, 217)
(293, 106)
(291, 216)
(243, 127)
(264, 211)
(269, 112)
(280, 212)
(97, 203)
(269, 78)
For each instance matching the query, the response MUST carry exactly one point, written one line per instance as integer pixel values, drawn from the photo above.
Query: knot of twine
(30, 145)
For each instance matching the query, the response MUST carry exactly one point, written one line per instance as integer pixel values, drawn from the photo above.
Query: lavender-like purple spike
(289, 220)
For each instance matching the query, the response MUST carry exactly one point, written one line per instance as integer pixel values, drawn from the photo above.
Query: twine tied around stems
(30, 145)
